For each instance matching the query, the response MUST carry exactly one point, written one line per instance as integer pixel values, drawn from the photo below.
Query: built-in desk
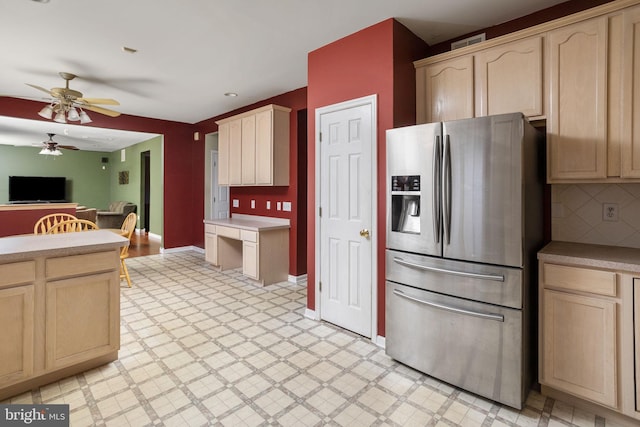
(260, 245)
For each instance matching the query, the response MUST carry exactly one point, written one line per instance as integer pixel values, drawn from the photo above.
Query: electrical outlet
(610, 212)
(236, 203)
(286, 206)
(253, 204)
(268, 204)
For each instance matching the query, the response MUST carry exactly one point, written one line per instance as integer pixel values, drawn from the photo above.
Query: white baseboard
(310, 314)
(154, 236)
(380, 341)
(297, 279)
(182, 249)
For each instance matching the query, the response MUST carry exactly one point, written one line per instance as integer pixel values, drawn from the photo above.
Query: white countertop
(16, 247)
(251, 222)
(599, 256)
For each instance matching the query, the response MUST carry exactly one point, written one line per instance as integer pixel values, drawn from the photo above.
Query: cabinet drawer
(17, 273)
(249, 236)
(233, 233)
(210, 228)
(81, 264)
(580, 279)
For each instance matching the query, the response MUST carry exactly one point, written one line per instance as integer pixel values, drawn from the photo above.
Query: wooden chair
(72, 225)
(46, 222)
(127, 228)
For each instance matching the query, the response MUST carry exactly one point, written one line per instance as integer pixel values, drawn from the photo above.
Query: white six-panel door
(345, 188)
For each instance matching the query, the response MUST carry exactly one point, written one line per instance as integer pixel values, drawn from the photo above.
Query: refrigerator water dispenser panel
(405, 203)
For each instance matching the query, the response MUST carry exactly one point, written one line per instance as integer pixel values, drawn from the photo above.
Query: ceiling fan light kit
(67, 101)
(50, 151)
(52, 148)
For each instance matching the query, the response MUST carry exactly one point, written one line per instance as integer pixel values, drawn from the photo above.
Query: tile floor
(201, 347)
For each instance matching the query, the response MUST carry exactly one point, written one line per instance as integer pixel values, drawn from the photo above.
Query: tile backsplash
(604, 214)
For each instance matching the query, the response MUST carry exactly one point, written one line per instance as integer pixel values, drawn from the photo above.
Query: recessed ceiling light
(232, 94)
(129, 49)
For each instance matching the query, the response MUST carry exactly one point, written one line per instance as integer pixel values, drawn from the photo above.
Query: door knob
(364, 232)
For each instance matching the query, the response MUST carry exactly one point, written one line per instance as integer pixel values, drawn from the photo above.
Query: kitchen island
(59, 306)
(260, 245)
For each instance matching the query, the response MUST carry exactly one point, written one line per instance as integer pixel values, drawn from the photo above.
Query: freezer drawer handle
(488, 316)
(494, 277)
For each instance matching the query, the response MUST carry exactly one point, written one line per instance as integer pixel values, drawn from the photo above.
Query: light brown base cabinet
(59, 311)
(587, 349)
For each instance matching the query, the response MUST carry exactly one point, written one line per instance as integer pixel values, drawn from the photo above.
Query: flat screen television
(29, 189)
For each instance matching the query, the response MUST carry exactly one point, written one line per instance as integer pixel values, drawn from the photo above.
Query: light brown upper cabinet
(445, 90)
(577, 120)
(508, 78)
(254, 147)
(630, 146)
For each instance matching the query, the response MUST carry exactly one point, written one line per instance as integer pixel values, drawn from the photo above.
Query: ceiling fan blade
(68, 147)
(102, 101)
(40, 88)
(105, 111)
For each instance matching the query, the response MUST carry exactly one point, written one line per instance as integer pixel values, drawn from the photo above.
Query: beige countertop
(23, 246)
(251, 222)
(599, 256)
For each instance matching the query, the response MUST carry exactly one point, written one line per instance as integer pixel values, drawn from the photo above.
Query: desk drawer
(249, 236)
(210, 228)
(580, 279)
(232, 233)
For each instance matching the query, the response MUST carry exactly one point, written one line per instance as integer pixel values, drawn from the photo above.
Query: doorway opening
(145, 190)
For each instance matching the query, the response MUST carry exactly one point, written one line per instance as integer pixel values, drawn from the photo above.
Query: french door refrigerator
(464, 220)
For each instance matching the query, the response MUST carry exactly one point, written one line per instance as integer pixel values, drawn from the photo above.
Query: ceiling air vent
(468, 41)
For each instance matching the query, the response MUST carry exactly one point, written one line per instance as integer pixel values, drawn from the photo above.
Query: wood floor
(141, 245)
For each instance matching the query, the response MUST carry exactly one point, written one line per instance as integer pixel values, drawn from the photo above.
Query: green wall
(132, 192)
(87, 182)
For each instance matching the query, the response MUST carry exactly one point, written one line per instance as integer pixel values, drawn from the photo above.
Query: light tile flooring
(201, 347)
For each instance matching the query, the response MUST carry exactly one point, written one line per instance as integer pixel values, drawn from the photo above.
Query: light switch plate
(286, 206)
(268, 204)
(278, 206)
(236, 203)
(253, 204)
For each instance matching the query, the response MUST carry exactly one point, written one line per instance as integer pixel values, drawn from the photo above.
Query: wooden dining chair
(46, 222)
(72, 225)
(127, 228)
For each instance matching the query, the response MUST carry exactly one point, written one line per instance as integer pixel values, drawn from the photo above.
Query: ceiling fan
(51, 147)
(66, 103)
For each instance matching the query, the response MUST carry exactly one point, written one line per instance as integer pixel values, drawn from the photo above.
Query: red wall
(297, 101)
(376, 60)
(181, 165)
(21, 221)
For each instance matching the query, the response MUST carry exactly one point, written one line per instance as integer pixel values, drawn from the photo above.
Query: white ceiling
(191, 52)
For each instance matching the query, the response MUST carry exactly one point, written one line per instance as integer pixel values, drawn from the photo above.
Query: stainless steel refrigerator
(464, 220)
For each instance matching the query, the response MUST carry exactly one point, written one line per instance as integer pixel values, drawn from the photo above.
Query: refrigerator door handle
(488, 316)
(436, 206)
(493, 277)
(446, 191)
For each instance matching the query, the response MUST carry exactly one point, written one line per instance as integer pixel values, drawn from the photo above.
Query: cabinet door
(577, 119)
(509, 78)
(630, 147)
(636, 331)
(211, 248)
(223, 154)
(579, 346)
(445, 91)
(235, 152)
(16, 335)
(82, 318)
(250, 259)
(248, 151)
(264, 148)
